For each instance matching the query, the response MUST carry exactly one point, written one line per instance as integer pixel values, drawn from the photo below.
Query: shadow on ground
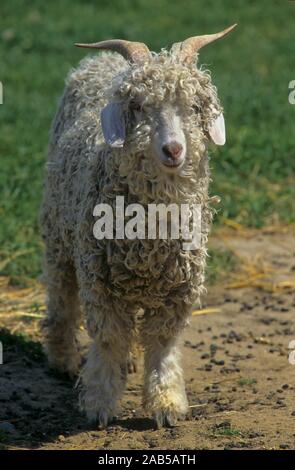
(239, 381)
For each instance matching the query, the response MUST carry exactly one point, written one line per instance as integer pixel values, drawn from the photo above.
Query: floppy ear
(113, 125)
(217, 130)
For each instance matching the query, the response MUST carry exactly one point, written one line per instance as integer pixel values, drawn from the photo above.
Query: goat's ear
(113, 125)
(217, 130)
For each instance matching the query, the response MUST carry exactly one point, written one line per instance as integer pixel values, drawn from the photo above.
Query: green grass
(252, 70)
(228, 432)
(220, 264)
(245, 381)
(225, 429)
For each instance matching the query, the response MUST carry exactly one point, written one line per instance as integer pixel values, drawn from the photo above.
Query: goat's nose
(172, 150)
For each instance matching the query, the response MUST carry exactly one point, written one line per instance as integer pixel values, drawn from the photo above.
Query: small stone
(205, 356)
(220, 363)
(61, 438)
(284, 446)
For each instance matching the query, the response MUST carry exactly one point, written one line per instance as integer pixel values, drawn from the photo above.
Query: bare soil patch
(240, 384)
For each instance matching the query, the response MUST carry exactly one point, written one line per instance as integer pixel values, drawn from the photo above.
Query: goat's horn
(190, 46)
(131, 51)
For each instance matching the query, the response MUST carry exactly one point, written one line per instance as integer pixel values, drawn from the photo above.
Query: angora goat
(133, 124)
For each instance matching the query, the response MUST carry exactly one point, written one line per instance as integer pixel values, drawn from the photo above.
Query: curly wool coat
(82, 171)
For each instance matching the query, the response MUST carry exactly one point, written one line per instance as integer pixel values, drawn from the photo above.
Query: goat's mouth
(172, 163)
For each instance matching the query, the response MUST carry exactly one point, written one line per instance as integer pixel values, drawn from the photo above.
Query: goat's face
(164, 111)
(167, 143)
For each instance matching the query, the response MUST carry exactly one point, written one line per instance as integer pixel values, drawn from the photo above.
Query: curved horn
(190, 46)
(131, 51)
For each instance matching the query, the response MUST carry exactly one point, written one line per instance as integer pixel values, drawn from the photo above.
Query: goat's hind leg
(63, 319)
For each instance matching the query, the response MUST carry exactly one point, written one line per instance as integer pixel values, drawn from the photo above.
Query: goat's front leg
(111, 327)
(164, 389)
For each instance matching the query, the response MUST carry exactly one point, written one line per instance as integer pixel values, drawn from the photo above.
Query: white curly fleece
(116, 278)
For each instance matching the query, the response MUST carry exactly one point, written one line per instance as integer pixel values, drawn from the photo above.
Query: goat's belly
(153, 272)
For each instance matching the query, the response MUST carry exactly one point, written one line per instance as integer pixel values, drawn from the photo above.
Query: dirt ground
(240, 384)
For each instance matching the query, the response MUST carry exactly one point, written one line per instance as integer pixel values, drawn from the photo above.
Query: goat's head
(162, 105)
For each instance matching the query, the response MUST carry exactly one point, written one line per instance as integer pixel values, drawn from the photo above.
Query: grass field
(254, 173)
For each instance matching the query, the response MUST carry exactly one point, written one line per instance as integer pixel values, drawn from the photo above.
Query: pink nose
(172, 150)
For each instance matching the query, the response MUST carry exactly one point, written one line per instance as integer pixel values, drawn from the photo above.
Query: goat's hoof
(100, 419)
(65, 365)
(166, 419)
(64, 370)
(103, 420)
